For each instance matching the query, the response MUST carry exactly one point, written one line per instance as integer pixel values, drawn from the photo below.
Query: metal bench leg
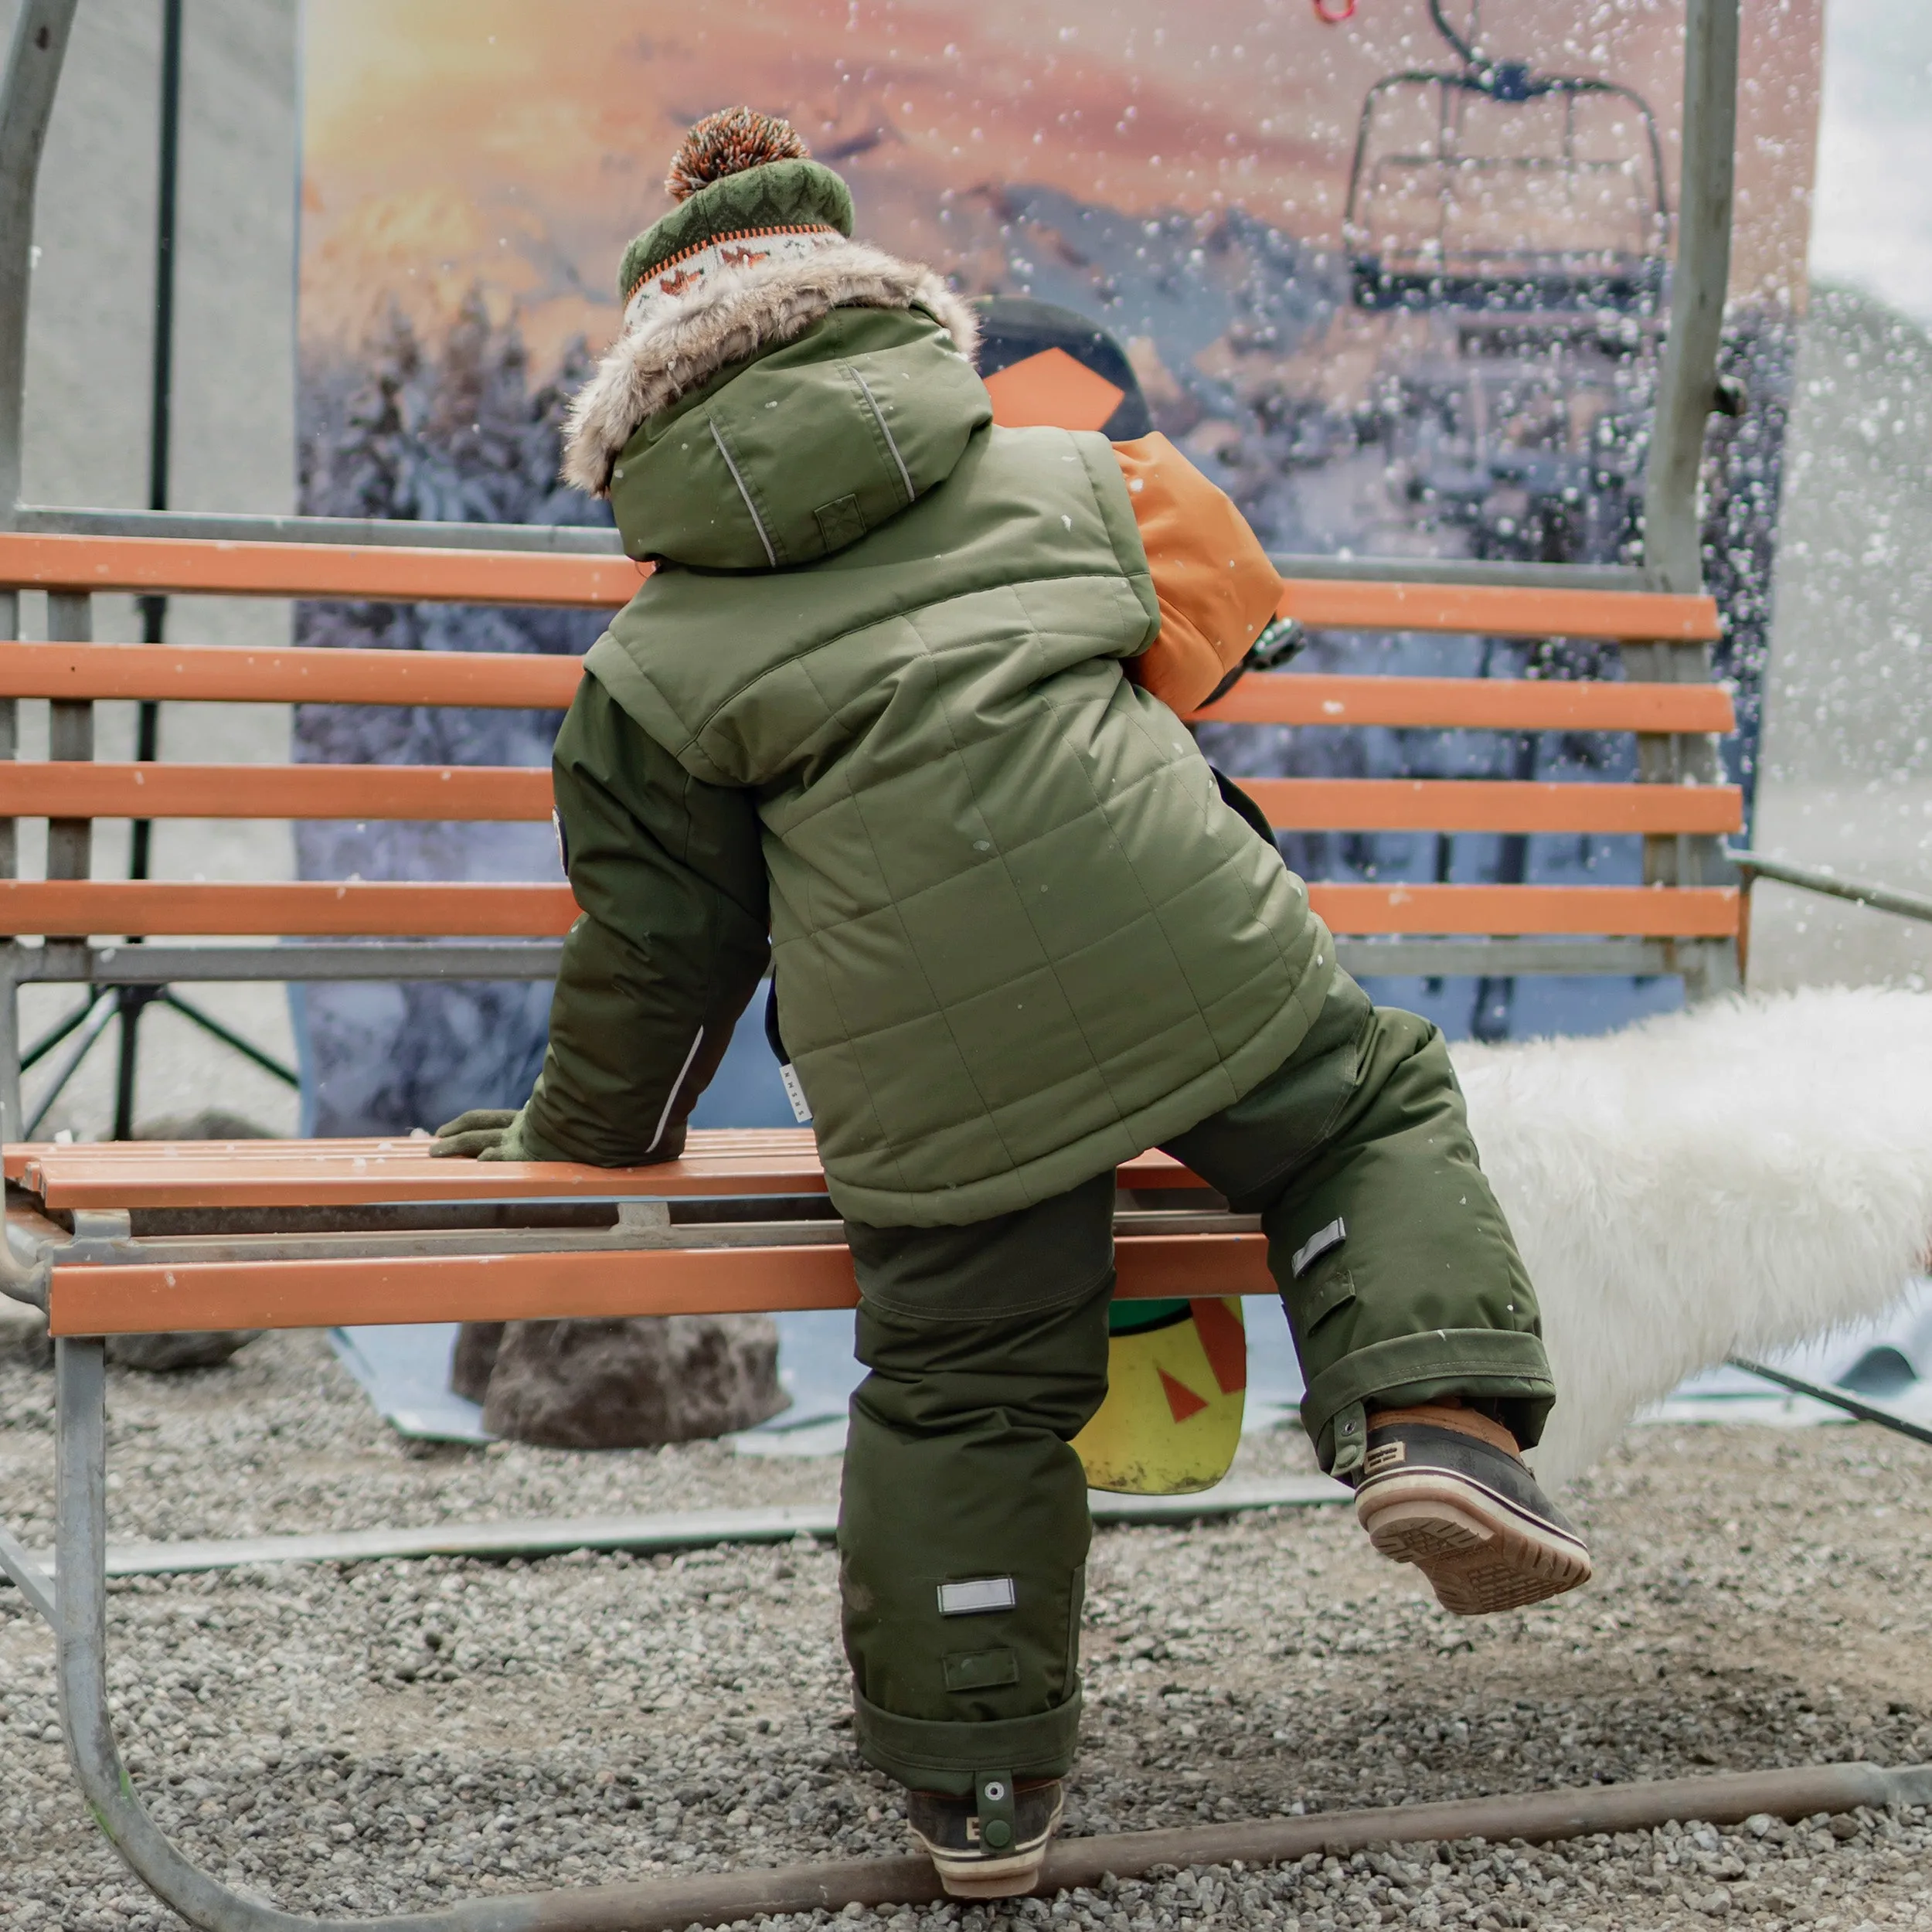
(79, 1618)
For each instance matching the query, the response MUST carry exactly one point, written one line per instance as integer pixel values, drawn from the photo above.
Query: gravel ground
(386, 1736)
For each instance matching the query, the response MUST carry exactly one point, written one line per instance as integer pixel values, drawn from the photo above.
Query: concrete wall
(90, 355)
(1847, 779)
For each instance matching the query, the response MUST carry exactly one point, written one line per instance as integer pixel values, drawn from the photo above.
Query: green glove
(483, 1133)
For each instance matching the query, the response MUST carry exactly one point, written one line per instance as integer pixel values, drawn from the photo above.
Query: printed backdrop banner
(1396, 283)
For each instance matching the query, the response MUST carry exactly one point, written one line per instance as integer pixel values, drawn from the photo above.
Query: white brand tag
(795, 1093)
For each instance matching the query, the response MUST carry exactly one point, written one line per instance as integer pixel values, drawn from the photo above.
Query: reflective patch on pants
(1317, 1245)
(980, 1593)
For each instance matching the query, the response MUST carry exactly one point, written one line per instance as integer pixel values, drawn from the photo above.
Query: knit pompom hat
(746, 190)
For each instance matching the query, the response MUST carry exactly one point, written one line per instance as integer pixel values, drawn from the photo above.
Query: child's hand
(483, 1133)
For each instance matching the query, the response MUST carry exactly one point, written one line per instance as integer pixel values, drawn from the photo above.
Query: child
(896, 711)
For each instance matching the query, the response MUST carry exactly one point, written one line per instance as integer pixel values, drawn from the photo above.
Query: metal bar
(406, 959)
(673, 1529)
(1883, 1414)
(50, 520)
(1807, 878)
(1687, 386)
(71, 736)
(56, 1033)
(722, 1898)
(11, 1119)
(104, 1012)
(129, 1003)
(29, 1578)
(247, 1049)
(39, 46)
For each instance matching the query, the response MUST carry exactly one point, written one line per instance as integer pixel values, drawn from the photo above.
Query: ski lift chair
(1495, 188)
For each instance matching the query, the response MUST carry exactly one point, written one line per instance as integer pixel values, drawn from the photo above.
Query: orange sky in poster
(451, 143)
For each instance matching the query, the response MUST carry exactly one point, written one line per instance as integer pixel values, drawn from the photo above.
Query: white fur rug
(1715, 1181)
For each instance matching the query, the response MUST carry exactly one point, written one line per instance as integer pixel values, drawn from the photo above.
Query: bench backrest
(1685, 917)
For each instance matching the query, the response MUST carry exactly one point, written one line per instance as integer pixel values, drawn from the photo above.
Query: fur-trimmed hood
(670, 347)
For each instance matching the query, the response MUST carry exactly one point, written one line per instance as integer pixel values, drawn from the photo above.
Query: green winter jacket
(1017, 937)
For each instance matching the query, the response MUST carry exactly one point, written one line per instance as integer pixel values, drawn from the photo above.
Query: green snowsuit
(873, 705)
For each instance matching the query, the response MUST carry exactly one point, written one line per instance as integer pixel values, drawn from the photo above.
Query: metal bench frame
(72, 1244)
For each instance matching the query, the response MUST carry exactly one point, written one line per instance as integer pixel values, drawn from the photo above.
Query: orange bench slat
(509, 793)
(307, 909)
(216, 674)
(382, 572)
(320, 909)
(1459, 805)
(376, 573)
(142, 1297)
(715, 1161)
(1478, 704)
(78, 790)
(1626, 912)
(1337, 603)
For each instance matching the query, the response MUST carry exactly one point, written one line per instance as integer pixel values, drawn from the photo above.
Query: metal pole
(1687, 386)
(153, 611)
(1810, 879)
(39, 45)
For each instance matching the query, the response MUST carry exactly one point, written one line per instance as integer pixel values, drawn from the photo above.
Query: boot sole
(1007, 1878)
(1479, 1556)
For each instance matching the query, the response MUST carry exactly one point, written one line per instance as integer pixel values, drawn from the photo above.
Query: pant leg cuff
(938, 1756)
(1502, 1362)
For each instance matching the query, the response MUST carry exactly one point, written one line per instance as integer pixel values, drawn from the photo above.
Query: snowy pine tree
(450, 431)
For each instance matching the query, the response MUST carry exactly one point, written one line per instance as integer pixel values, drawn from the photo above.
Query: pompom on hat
(747, 191)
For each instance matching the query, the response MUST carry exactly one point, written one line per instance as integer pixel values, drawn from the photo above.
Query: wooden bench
(121, 1237)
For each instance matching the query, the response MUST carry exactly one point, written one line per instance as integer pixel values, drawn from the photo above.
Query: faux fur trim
(1728, 1180)
(669, 347)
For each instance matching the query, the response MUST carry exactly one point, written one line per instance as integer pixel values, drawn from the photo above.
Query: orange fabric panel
(77, 789)
(1487, 704)
(1215, 584)
(216, 674)
(312, 909)
(142, 1298)
(1339, 604)
(382, 571)
(1621, 912)
(1476, 804)
(1052, 390)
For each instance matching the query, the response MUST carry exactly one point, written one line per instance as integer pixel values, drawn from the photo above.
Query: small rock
(476, 1344)
(631, 1383)
(207, 1348)
(186, 1348)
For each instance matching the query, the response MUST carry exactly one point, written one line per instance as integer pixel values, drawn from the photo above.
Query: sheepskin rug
(1725, 1180)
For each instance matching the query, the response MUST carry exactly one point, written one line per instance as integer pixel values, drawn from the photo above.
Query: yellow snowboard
(1177, 1377)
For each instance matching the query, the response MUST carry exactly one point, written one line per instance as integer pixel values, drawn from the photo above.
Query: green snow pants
(963, 1528)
